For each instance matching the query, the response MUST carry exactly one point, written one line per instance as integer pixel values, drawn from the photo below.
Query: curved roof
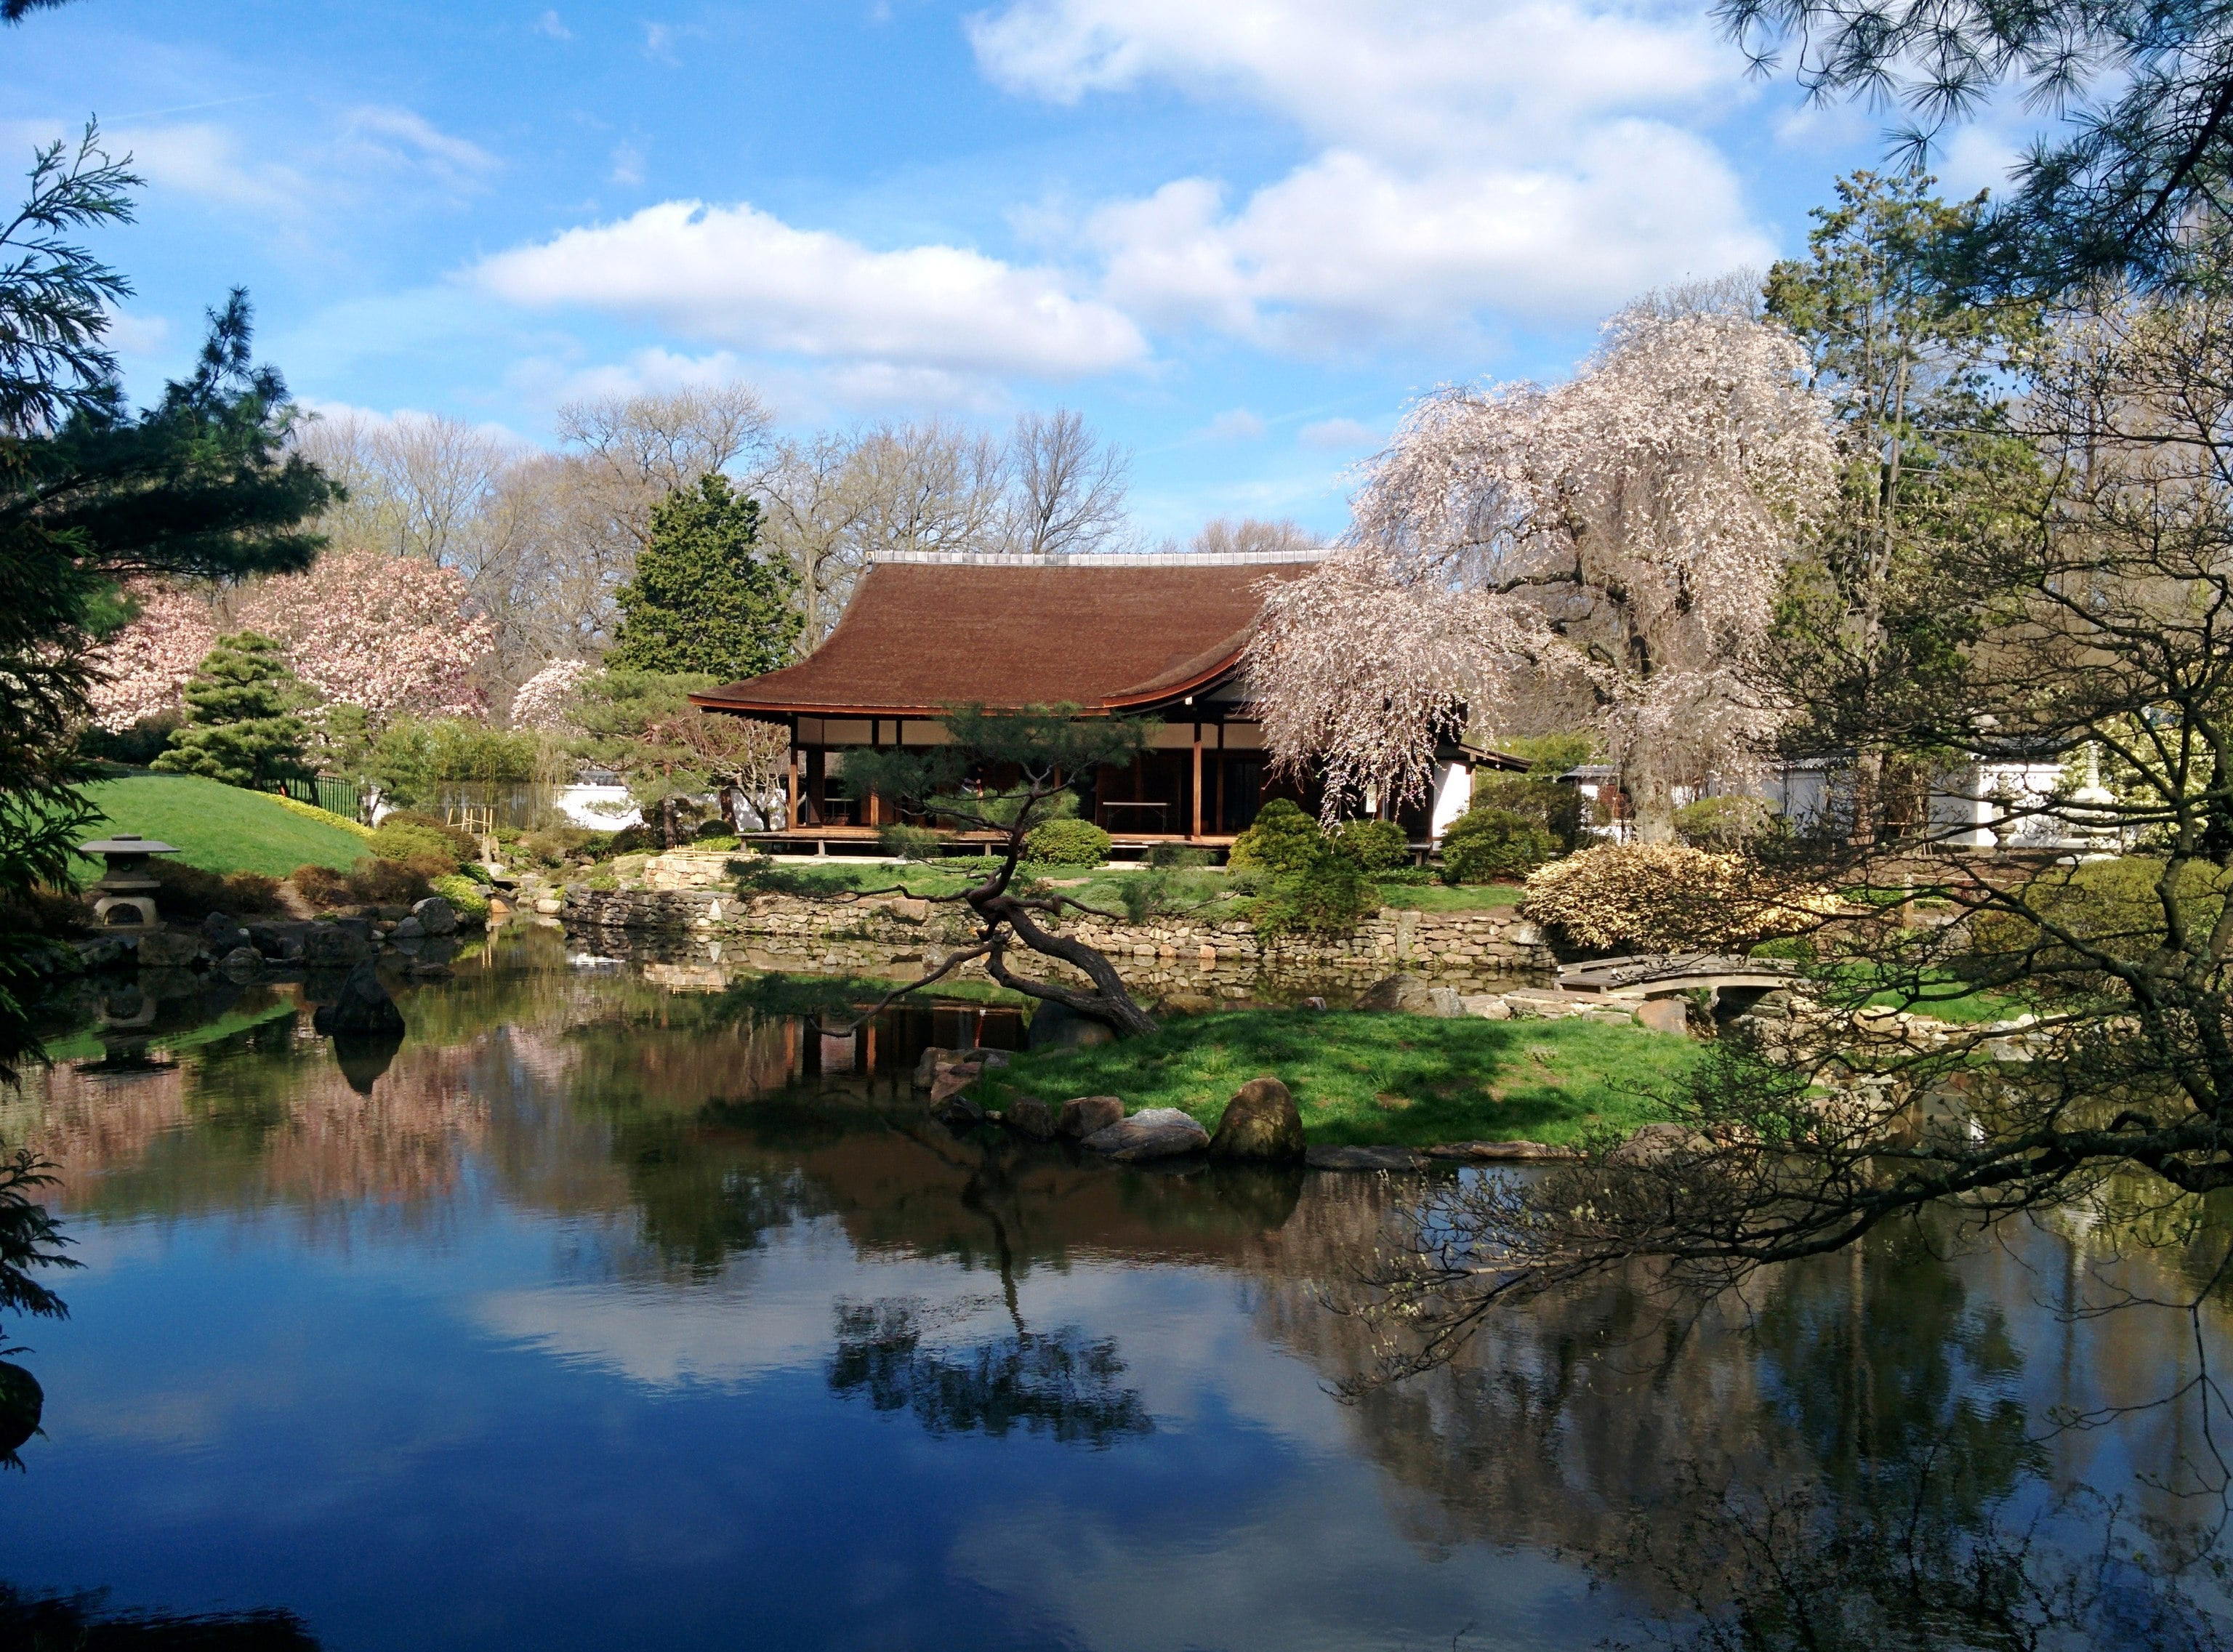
(1112, 633)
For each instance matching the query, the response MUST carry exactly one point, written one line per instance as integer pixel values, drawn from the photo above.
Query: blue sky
(1238, 235)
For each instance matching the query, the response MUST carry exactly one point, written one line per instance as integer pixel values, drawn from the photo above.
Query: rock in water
(1260, 1125)
(362, 1008)
(21, 1401)
(1058, 1026)
(1082, 1115)
(1030, 1117)
(328, 945)
(1151, 1133)
(1366, 1159)
(436, 916)
(1406, 993)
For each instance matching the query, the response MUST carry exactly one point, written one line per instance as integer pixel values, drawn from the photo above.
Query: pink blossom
(544, 699)
(143, 669)
(390, 633)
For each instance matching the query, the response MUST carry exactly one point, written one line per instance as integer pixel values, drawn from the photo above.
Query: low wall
(898, 938)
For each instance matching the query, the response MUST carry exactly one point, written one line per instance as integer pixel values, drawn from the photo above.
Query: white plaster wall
(588, 806)
(1453, 796)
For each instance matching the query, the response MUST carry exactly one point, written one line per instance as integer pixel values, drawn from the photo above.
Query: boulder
(1260, 1125)
(104, 952)
(1152, 1132)
(1082, 1115)
(360, 1008)
(960, 1115)
(408, 929)
(168, 949)
(1656, 1142)
(282, 941)
(1500, 1151)
(952, 1081)
(1032, 1118)
(435, 916)
(1364, 1159)
(222, 934)
(334, 945)
(1445, 1002)
(1489, 1006)
(242, 964)
(1057, 1026)
(1405, 993)
(1665, 1015)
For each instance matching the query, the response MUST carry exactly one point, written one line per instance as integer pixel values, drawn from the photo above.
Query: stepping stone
(1366, 1159)
(1495, 1152)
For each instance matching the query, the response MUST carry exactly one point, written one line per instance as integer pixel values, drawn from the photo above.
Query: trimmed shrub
(400, 839)
(554, 845)
(1558, 809)
(188, 892)
(466, 898)
(1283, 837)
(462, 842)
(1667, 897)
(2112, 906)
(1374, 845)
(325, 817)
(1066, 842)
(1724, 824)
(1489, 845)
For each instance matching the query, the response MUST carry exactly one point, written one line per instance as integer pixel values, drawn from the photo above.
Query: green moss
(1363, 1078)
(217, 827)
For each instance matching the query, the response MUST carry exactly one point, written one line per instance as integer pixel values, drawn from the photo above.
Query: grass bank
(218, 828)
(1363, 1079)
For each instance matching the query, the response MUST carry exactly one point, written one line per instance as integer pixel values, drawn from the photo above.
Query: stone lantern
(125, 896)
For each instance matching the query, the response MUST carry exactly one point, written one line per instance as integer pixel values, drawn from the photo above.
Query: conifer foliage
(244, 730)
(705, 596)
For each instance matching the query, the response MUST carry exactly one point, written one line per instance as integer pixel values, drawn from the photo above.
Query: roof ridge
(1099, 558)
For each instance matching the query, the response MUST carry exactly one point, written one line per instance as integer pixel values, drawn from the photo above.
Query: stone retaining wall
(898, 938)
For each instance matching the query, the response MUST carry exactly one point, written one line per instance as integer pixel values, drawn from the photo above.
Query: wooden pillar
(1197, 781)
(791, 783)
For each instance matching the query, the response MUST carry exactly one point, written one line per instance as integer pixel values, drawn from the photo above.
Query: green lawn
(1441, 897)
(1363, 1079)
(218, 828)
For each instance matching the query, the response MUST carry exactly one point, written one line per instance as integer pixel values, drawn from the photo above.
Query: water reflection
(594, 1312)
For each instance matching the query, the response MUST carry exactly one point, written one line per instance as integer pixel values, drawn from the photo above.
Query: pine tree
(244, 730)
(704, 598)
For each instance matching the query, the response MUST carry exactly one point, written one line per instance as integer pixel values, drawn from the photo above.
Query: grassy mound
(1363, 1079)
(218, 827)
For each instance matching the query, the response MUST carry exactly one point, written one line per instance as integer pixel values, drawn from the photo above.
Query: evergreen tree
(704, 598)
(242, 728)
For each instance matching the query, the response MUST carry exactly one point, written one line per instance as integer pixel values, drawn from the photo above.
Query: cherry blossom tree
(142, 671)
(1604, 553)
(390, 633)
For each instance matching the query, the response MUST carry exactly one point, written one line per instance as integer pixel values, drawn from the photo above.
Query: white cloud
(378, 135)
(1234, 425)
(1337, 436)
(1527, 157)
(736, 276)
(551, 26)
(1347, 250)
(1411, 77)
(627, 165)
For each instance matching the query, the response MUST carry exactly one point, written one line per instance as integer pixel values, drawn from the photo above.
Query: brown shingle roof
(1108, 634)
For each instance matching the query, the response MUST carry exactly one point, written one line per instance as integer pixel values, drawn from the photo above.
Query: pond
(603, 1314)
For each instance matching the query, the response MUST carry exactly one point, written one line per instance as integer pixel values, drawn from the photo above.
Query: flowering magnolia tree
(143, 670)
(390, 633)
(1604, 553)
(546, 700)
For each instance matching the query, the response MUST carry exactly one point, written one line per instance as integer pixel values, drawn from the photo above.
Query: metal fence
(330, 792)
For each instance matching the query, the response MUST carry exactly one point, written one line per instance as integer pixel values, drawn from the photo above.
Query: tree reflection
(1058, 1383)
(37, 1622)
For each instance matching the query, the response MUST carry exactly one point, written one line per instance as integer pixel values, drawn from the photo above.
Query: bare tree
(1253, 535)
(667, 440)
(1066, 488)
(932, 486)
(417, 483)
(1606, 552)
(814, 504)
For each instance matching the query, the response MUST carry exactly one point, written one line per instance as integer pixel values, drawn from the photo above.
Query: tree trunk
(666, 830)
(1651, 801)
(1111, 1003)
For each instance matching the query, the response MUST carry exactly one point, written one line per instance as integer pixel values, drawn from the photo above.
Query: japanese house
(1151, 636)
